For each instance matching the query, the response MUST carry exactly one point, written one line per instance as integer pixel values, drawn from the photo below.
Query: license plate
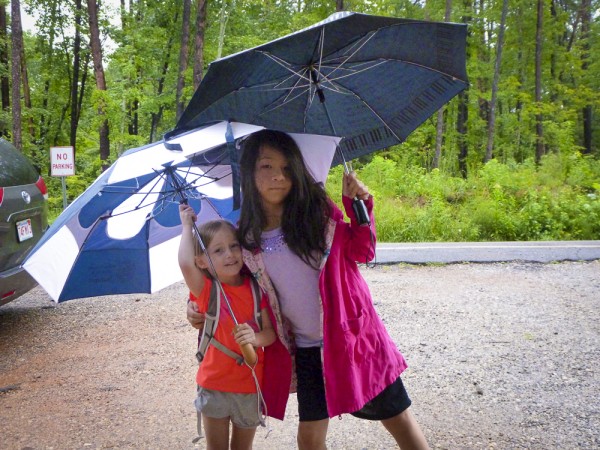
(24, 230)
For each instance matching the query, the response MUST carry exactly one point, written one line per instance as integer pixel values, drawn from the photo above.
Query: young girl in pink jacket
(304, 255)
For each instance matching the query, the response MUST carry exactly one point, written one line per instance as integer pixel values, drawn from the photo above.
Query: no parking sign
(62, 162)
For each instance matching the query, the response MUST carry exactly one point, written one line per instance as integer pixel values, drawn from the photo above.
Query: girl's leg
(217, 433)
(241, 438)
(406, 431)
(312, 434)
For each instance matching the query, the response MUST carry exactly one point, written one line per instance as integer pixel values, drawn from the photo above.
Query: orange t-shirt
(218, 371)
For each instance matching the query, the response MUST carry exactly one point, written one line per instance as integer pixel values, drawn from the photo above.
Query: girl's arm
(362, 238)
(246, 335)
(193, 277)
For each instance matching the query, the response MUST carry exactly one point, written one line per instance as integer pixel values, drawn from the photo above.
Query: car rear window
(15, 168)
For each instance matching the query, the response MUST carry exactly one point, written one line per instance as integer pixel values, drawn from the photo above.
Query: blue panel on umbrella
(99, 266)
(109, 198)
(233, 217)
(224, 207)
(101, 273)
(167, 214)
(98, 239)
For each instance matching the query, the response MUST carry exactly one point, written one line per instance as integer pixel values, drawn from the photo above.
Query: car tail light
(41, 185)
(1, 195)
(7, 294)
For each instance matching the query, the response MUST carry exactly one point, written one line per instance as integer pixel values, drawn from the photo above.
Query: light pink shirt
(297, 286)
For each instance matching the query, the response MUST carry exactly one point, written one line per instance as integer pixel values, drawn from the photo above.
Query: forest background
(514, 157)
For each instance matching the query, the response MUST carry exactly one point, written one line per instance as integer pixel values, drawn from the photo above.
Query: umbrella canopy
(122, 234)
(370, 80)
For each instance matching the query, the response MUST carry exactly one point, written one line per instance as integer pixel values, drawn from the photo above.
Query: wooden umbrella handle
(248, 352)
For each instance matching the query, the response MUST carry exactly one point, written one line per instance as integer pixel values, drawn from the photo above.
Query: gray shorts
(242, 409)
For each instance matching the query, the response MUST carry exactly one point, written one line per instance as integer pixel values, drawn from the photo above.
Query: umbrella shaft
(214, 272)
(360, 210)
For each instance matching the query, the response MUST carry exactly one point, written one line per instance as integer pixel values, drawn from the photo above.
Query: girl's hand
(244, 334)
(187, 214)
(353, 187)
(195, 318)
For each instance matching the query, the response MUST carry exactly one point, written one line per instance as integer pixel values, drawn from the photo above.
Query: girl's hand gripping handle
(355, 189)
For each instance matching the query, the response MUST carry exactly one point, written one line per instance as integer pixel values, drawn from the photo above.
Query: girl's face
(226, 255)
(272, 177)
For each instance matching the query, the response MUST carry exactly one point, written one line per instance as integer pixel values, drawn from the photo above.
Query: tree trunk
(461, 128)
(17, 43)
(132, 113)
(222, 25)
(75, 80)
(26, 90)
(339, 5)
(86, 64)
(586, 18)
(199, 43)
(439, 135)
(4, 80)
(161, 83)
(123, 13)
(539, 127)
(492, 122)
(183, 56)
(46, 116)
(100, 80)
(463, 108)
(483, 56)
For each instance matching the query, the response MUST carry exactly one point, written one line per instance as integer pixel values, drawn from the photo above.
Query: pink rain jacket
(359, 357)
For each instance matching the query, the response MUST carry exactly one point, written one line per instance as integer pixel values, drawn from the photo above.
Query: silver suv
(23, 219)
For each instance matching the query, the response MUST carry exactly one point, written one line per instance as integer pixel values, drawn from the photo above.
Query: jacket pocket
(354, 337)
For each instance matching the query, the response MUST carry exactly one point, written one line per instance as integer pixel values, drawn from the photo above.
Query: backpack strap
(212, 320)
(256, 297)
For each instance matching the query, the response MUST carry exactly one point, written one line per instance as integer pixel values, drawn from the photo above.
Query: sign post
(62, 164)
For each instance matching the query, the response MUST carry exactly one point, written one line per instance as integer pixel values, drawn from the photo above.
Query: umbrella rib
(366, 40)
(375, 113)
(283, 103)
(287, 66)
(296, 86)
(327, 80)
(165, 193)
(277, 85)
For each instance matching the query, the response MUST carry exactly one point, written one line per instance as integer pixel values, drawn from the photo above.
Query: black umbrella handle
(360, 212)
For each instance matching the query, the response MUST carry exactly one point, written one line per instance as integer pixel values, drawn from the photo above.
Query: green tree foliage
(508, 198)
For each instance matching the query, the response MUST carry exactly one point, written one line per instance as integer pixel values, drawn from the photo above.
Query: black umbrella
(370, 80)
(367, 79)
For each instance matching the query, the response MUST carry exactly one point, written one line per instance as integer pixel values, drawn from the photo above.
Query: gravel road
(501, 356)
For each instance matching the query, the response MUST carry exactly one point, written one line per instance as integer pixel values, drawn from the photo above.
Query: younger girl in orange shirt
(227, 390)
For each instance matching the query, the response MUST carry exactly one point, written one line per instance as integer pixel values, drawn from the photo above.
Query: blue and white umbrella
(122, 234)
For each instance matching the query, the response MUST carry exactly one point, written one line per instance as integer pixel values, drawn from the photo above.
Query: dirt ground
(501, 356)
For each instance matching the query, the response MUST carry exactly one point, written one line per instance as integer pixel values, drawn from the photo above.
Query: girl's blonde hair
(208, 230)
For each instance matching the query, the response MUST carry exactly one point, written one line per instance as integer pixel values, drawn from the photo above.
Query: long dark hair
(306, 209)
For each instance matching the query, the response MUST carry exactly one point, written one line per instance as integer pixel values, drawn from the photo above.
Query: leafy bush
(557, 200)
